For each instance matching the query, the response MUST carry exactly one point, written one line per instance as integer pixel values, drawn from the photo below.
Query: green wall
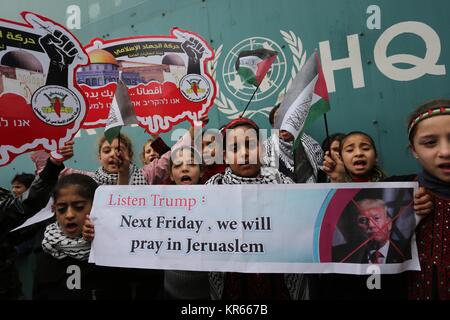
(380, 107)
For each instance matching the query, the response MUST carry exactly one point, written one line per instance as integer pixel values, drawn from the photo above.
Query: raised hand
(58, 47)
(334, 167)
(66, 152)
(423, 202)
(88, 229)
(195, 50)
(61, 51)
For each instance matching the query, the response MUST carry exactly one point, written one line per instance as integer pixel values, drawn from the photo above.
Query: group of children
(349, 157)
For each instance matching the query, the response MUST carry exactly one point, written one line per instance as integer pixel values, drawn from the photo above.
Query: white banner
(300, 228)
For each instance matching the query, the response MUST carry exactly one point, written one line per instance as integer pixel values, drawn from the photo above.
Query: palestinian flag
(253, 65)
(305, 101)
(121, 112)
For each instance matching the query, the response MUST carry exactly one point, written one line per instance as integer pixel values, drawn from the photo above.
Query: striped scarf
(60, 246)
(136, 176)
(267, 176)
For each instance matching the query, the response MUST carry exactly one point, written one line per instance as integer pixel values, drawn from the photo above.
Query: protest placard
(257, 228)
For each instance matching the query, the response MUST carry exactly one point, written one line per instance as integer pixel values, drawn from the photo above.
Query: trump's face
(375, 223)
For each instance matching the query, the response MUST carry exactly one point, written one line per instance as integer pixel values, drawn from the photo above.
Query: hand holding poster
(166, 76)
(40, 105)
(257, 228)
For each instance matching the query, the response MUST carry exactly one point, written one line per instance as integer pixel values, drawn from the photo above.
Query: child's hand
(333, 167)
(88, 229)
(423, 204)
(66, 151)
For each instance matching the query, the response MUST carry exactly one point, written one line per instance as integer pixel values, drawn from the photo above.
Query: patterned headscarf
(60, 246)
(266, 176)
(136, 176)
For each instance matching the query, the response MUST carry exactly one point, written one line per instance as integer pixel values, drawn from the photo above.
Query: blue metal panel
(380, 107)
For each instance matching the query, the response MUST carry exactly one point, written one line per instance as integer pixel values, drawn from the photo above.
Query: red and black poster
(166, 77)
(41, 106)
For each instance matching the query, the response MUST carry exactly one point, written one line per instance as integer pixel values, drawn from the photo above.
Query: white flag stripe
(114, 117)
(295, 108)
(250, 62)
(295, 116)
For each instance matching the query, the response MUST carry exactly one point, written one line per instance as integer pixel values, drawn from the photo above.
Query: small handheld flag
(121, 112)
(306, 99)
(252, 66)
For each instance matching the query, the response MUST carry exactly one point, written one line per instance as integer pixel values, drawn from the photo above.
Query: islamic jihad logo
(55, 105)
(195, 87)
(271, 83)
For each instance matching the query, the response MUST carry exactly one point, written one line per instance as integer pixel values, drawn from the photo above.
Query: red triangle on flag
(263, 68)
(321, 86)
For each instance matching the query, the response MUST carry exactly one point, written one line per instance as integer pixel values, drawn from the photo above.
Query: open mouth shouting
(360, 165)
(444, 167)
(71, 227)
(112, 166)
(185, 180)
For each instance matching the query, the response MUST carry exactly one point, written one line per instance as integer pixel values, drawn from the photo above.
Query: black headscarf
(434, 184)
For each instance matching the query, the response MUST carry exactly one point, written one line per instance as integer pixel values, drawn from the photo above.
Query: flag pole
(118, 147)
(251, 98)
(118, 136)
(327, 133)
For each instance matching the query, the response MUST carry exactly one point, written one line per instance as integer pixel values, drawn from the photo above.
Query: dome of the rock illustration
(173, 60)
(102, 56)
(22, 60)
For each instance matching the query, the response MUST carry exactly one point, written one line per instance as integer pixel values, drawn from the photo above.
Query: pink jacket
(158, 171)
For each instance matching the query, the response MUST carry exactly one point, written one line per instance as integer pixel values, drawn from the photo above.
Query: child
(211, 146)
(157, 171)
(357, 160)
(26, 239)
(116, 163)
(186, 169)
(117, 168)
(63, 271)
(429, 138)
(244, 167)
(20, 183)
(333, 144)
(149, 152)
(13, 213)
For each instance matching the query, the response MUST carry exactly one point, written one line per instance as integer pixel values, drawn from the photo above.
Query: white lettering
(73, 20)
(421, 66)
(374, 20)
(374, 280)
(353, 62)
(74, 280)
